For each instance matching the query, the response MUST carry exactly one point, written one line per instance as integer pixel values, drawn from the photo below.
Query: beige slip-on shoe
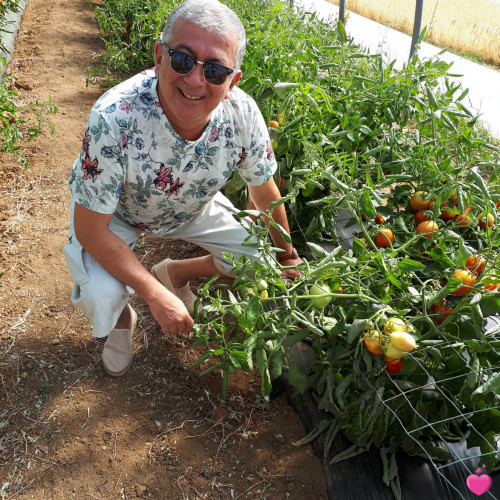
(160, 272)
(117, 353)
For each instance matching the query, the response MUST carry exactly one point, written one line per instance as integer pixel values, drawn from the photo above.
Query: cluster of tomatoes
(393, 344)
(420, 203)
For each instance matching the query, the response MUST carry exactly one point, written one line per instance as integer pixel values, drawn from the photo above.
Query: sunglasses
(183, 64)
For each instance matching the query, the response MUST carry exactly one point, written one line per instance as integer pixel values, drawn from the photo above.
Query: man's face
(188, 100)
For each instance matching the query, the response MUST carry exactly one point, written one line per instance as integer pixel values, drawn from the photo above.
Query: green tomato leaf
(407, 265)
(250, 315)
(239, 360)
(493, 385)
(366, 204)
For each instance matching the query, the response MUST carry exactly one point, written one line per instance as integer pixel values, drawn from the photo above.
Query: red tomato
(420, 217)
(394, 366)
(475, 263)
(441, 312)
(379, 219)
(468, 280)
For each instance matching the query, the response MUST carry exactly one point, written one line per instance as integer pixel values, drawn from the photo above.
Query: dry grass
(470, 27)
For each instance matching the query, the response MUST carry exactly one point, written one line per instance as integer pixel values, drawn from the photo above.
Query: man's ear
(158, 57)
(234, 81)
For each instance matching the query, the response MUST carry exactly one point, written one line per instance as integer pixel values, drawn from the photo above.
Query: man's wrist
(292, 254)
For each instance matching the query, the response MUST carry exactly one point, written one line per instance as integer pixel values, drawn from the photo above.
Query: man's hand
(291, 273)
(170, 312)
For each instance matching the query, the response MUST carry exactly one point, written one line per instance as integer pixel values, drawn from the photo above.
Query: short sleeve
(98, 174)
(257, 163)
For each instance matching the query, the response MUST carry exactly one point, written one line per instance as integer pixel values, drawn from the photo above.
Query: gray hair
(211, 15)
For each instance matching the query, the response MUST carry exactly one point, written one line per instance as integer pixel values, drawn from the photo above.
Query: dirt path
(66, 429)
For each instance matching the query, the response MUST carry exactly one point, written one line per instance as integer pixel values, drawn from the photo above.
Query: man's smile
(190, 97)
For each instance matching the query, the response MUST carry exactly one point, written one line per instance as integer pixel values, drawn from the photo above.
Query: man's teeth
(192, 97)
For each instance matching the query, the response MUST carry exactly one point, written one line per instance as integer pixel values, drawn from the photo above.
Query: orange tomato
(441, 312)
(447, 214)
(475, 263)
(384, 238)
(420, 216)
(487, 220)
(274, 124)
(419, 202)
(467, 279)
(373, 340)
(379, 219)
(462, 221)
(428, 228)
(492, 286)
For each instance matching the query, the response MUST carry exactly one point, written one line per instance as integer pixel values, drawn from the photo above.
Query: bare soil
(67, 430)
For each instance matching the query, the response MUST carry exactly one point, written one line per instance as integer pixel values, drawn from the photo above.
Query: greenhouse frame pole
(417, 23)
(341, 10)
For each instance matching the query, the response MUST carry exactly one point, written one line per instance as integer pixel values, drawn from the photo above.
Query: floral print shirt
(133, 164)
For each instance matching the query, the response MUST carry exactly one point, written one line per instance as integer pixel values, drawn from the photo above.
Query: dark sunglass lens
(182, 63)
(215, 74)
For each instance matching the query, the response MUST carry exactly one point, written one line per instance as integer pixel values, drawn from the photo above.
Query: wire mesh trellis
(447, 479)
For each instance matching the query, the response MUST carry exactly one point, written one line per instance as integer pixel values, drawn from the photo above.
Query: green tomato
(320, 302)
(261, 285)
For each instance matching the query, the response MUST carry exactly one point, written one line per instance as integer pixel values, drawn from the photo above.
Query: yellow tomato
(402, 341)
(394, 324)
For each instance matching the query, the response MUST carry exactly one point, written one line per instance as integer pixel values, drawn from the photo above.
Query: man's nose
(196, 76)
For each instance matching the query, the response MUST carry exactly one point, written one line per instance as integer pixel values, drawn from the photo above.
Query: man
(156, 152)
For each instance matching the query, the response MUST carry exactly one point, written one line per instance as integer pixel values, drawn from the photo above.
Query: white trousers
(102, 297)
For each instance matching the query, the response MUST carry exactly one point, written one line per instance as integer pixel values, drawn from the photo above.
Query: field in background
(469, 27)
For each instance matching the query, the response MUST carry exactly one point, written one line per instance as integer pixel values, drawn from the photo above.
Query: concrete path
(483, 83)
